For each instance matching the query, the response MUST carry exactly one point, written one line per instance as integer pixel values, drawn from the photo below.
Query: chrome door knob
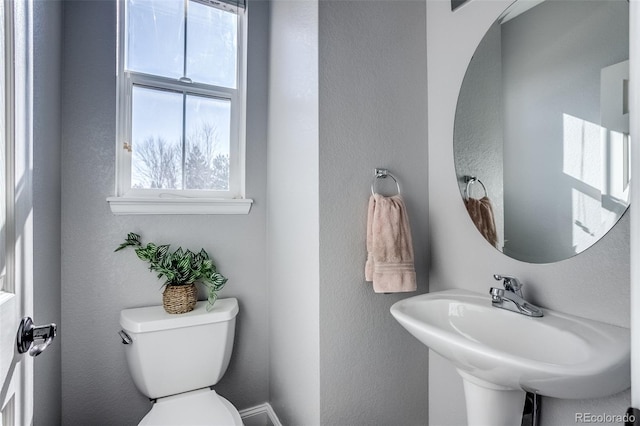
(34, 339)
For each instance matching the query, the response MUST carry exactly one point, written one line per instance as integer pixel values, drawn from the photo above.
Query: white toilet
(174, 359)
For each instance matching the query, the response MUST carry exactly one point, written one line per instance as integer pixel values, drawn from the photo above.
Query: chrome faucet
(510, 298)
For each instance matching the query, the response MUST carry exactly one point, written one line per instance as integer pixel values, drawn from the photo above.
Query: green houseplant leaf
(181, 267)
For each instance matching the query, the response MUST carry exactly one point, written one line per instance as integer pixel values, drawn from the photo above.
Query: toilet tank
(175, 353)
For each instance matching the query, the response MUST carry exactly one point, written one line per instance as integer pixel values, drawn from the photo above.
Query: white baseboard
(262, 409)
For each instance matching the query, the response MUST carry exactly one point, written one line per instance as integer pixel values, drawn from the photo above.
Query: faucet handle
(511, 284)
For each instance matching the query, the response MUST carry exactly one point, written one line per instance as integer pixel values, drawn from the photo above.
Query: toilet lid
(196, 408)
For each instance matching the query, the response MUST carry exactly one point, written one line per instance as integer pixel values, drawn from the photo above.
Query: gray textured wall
(96, 282)
(594, 284)
(47, 39)
(372, 114)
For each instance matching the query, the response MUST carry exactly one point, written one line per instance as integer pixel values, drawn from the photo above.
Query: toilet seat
(202, 407)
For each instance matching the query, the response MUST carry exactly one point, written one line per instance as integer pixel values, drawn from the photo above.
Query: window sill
(149, 205)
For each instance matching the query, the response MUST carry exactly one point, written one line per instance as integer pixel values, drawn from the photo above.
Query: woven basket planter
(179, 299)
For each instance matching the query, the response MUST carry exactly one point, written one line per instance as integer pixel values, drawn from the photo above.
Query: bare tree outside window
(158, 163)
(205, 166)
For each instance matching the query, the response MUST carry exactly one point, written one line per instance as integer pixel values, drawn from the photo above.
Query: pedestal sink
(501, 354)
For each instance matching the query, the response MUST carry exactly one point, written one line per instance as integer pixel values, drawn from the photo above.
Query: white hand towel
(390, 262)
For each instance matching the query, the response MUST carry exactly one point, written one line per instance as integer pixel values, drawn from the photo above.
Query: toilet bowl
(176, 359)
(195, 408)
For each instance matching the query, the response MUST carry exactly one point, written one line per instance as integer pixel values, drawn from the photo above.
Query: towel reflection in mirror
(481, 212)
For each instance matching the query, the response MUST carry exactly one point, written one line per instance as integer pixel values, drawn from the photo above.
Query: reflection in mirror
(542, 121)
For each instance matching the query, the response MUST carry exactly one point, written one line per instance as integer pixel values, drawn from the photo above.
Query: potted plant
(180, 269)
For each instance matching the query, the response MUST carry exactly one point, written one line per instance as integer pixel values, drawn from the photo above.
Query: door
(16, 218)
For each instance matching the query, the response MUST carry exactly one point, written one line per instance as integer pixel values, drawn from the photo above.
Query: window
(180, 104)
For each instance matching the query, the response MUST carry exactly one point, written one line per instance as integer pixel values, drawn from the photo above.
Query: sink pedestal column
(491, 405)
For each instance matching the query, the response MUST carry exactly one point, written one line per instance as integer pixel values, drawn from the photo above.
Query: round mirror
(541, 138)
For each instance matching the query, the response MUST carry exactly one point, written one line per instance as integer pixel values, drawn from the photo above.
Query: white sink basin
(557, 355)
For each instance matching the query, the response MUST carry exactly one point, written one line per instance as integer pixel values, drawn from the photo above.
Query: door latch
(34, 339)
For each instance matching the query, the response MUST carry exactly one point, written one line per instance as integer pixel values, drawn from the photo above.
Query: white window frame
(181, 201)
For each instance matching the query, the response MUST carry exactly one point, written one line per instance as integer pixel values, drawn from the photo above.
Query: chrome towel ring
(471, 180)
(383, 174)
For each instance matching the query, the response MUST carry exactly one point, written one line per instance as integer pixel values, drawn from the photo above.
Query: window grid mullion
(184, 140)
(158, 82)
(186, 34)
